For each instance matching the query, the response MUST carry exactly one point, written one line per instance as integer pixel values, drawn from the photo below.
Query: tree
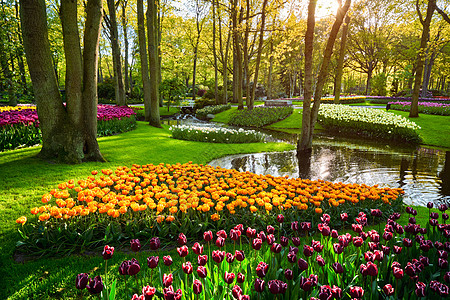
(117, 65)
(153, 54)
(414, 112)
(340, 66)
(144, 59)
(310, 115)
(69, 133)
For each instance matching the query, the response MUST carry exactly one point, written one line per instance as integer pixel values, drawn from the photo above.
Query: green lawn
(25, 178)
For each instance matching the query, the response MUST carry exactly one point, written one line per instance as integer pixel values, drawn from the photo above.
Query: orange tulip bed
(149, 200)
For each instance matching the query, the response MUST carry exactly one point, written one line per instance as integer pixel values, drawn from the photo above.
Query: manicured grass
(435, 130)
(224, 117)
(367, 103)
(172, 110)
(25, 178)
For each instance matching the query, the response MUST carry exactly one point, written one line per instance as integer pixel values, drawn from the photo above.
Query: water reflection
(423, 173)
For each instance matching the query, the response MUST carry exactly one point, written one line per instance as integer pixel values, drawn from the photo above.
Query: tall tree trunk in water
(414, 112)
(69, 134)
(144, 59)
(216, 84)
(125, 39)
(310, 115)
(152, 29)
(118, 75)
(340, 66)
(258, 57)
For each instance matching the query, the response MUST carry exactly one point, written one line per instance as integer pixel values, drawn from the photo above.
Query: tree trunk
(152, 29)
(216, 85)
(125, 39)
(19, 52)
(225, 69)
(118, 75)
(269, 80)
(368, 82)
(414, 112)
(61, 138)
(194, 71)
(340, 66)
(310, 115)
(237, 57)
(144, 59)
(258, 57)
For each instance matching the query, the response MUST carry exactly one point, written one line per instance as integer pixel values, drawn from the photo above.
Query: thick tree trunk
(225, 69)
(19, 52)
(62, 139)
(152, 29)
(368, 81)
(258, 57)
(237, 57)
(144, 59)
(118, 75)
(414, 112)
(340, 66)
(305, 143)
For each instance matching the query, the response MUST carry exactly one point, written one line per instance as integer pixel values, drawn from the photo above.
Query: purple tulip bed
(20, 128)
(287, 261)
(430, 108)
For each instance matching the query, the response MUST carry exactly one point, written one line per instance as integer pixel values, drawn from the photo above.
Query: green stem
(106, 278)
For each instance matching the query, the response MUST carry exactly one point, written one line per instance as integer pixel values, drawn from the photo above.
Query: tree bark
(216, 75)
(152, 29)
(340, 66)
(310, 115)
(62, 139)
(144, 59)
(125, 39)
(269, 80)
(414, 112)
(118, 75)
(237, 56)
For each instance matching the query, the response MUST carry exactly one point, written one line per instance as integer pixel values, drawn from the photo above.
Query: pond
(423, 173)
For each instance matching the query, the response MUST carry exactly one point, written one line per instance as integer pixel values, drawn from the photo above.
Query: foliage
(143, 201)
(379, 85)
(116, 125)
(216, 134)
(213, 109)
(368, 122)
(172, 91)
(106, 91)
(260, 116)
(430, 108)
(203, 102)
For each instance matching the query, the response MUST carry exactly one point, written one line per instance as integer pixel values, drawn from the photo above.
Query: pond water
(423, 173)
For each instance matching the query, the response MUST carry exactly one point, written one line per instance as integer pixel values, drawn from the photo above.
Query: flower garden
(368, 122)
(216, 134)
(19, 126)
(260, 116)
(430, 108)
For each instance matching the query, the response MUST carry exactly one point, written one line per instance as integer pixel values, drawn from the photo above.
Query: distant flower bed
(430, 108)
(260, 116)
(345, 99)
(214, 109)
(215, 134)
(19, 126)
(385, 99)
(368, 122)
(162, 199)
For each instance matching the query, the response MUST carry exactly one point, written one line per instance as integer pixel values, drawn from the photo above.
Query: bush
(216, 134)
(379, 83)
(106, 91)
(368, 122)
(213, 109)
(202, 102)
(260, 116)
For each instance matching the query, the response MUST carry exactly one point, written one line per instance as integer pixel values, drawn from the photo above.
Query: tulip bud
(259, 285)
(167, 260)
(95, 286)
(155, 243)
(197, 287)
(135, 245)
(202, 272)
(167, 280)
(208, 236)
(202, 260)
(152, 261)
(182, 240)
(107, 252)
(81, 281)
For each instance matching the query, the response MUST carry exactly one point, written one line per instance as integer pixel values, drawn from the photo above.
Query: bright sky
(325, 8)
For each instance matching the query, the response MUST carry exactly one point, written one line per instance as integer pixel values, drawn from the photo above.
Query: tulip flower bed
(161, 199)
(19, 126)
(214, 109)
(430, 108)
(344, 99)
(368, 122)
(260, 116)
(276, 262)
(215, 134)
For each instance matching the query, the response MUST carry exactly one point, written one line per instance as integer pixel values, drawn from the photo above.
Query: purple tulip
(135, 245)
(81, 281)
(95, 286)
(152, 261)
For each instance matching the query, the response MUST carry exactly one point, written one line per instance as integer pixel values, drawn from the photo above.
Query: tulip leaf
(112, 292)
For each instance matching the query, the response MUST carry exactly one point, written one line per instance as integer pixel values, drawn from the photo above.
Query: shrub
(216, 134)
(429, 108)
(213, 109)
(260, 116)
(367, 122)
(202, 102)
